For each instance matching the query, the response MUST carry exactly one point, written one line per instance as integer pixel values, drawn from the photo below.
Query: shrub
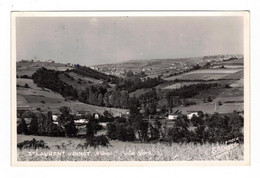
(97, 141)
(125, 132)
(33, 144)
(25, 76)
(112, 130)
(26, 86)
(120, 131)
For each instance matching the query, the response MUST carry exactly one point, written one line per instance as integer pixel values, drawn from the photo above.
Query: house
(54, 117)
(96, 115)
(190, 115)
(80, 121)
(174, 115)
(51, 61)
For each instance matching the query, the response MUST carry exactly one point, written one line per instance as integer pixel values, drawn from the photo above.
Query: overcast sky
(99, 40)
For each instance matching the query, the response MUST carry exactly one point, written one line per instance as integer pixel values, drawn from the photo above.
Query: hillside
(166, 67)
(177, 84)
(35, 97)
(29, 67)
(48, 86)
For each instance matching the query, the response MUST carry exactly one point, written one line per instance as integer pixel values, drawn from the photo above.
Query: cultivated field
(208, 74)
(35, 97)
(179, 85)
(210, 108)
(238, 84)
(125, 151)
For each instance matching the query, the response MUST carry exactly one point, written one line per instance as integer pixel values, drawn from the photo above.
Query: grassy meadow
(127, 151)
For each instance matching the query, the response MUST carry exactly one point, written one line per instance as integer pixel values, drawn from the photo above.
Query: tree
(92, 126)
(22, 127)
(129, 74)
(100, 99)
(44, 122)
(107, 114)
(112, 130)
(26, 86)
(154, 132)
(124, 99)
(115, 99)
(66, 122)
(106, 99)
(134, 105)
(207, 65)
(142, 130)
(179, 132)
(34, 126)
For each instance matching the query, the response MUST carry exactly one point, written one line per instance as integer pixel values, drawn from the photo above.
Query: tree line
(203, 128)
(215, 128)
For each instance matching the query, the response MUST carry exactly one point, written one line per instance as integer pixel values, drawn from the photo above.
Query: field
(35, 97)
(28, 68)
(153, 67)
(210, 108)
(126, 151)
(238, 84)
(231, 94)
(208, 74)
(179, 85)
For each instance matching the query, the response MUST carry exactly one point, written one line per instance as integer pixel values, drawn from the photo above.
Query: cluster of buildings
(112, 71)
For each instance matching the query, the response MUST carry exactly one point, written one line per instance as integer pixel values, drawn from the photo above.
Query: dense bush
(120, 131)
(32, 144)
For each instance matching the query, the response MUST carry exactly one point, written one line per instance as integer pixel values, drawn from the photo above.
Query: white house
(54, 117)
(189, 116)
(172, 117)
(80, 121)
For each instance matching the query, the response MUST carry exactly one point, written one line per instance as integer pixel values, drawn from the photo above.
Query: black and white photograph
(130, 88)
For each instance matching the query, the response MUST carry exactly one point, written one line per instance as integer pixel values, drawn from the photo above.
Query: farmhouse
(190, 115)
(172, 116)
(96, 115)
(54, 117)
(80, 121)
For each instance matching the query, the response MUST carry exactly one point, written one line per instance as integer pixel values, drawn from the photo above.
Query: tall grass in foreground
(137, 152)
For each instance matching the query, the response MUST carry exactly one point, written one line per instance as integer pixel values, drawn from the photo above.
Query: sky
(102, 40)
